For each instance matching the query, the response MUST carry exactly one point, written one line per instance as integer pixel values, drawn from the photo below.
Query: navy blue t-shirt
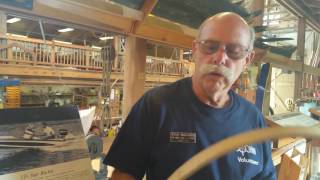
(169, 125)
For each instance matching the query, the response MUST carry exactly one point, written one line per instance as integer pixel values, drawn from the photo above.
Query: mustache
(218, 69)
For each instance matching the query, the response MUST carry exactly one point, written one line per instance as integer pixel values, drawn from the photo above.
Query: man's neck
(218, 99)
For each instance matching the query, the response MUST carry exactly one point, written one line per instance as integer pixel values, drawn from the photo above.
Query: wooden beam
(3, 23)
(146, 9)
(311, 70)
(282, 62)
(312, 3)
(115, 18)
(38, 71)
(49, 72)
(294, 8)
(134, 74)
(157, 29)
(38, 81)
(299, 80)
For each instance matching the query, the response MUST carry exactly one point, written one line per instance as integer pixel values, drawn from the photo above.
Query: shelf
(47, 95)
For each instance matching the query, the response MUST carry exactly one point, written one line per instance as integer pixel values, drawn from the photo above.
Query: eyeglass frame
(245, 50)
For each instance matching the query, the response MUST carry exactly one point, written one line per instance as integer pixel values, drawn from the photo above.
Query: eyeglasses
(233, 51)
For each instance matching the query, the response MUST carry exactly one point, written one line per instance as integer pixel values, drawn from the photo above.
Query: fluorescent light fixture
(13, 20)
(17, 35)
(106, 38)
(96, 47)
(63, 42)
(187, 52)
(66, 30)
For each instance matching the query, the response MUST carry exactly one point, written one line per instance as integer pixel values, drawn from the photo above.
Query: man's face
(221, 54)
(96, 131)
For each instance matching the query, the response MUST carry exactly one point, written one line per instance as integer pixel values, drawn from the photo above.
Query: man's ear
(194, 45)
(194, 48)
(250, 57)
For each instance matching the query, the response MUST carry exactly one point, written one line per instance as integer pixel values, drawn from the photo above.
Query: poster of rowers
(43, 144)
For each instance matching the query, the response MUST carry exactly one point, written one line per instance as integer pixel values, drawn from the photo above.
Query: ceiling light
(96, 47)
(66, 30)
(187, 52)
(106, 38)
(17, 35)
(63, 42)
(13, 20)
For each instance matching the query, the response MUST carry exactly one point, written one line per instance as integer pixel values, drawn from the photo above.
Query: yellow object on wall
(13, 97)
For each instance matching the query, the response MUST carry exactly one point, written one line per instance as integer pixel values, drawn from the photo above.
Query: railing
(156, 65)
(28, 51)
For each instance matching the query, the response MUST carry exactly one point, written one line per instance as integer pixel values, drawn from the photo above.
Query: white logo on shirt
(247, 149)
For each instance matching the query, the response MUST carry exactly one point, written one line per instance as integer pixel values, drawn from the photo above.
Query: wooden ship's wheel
(221, 148)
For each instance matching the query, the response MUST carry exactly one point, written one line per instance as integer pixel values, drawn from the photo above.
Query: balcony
(36, 61)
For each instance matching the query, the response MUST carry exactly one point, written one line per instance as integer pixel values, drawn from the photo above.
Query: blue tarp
(9, 82)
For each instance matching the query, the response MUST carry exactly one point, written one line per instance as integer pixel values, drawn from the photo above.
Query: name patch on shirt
(183, 137)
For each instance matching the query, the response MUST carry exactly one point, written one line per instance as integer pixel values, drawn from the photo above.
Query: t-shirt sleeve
(130, 150)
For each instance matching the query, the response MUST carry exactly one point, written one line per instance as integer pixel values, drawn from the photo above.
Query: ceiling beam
(146, 9)
(165, 31)
(116, 20)
(312, 3)
(296, 8)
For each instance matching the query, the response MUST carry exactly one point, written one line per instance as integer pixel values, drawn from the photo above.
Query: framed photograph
(43, 143)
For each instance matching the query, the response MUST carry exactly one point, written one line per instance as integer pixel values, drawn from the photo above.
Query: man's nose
(220, 56)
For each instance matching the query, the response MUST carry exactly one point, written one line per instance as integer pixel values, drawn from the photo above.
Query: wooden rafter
(146, 8)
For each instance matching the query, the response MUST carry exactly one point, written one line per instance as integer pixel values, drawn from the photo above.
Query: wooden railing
(28, 51)
(156, 65)
(39, 52)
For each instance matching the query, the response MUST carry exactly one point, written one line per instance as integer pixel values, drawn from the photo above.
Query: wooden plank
(277, 153)
(288, 169)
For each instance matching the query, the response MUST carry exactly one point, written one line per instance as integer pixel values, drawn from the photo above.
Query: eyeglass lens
(233, 51)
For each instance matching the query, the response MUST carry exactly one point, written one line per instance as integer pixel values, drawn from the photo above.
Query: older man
(170, 124)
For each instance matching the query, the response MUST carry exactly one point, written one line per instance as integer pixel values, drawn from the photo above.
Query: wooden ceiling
(168, 21)
(79, 36)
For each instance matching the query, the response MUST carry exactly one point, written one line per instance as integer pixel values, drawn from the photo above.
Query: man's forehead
(225, 31)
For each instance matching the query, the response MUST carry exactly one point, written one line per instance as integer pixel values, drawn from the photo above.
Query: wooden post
(52, 54)
(3, 23)
(117, 50)
(3, 32)
(134, 72)
(182, 65)
(87, 59)
(257, 5)
(299, 85)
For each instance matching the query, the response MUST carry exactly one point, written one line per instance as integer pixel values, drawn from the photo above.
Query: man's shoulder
(244, 103)
(168, 90)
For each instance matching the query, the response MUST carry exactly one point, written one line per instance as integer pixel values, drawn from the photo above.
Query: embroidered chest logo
(183, 137)
(247, 149)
